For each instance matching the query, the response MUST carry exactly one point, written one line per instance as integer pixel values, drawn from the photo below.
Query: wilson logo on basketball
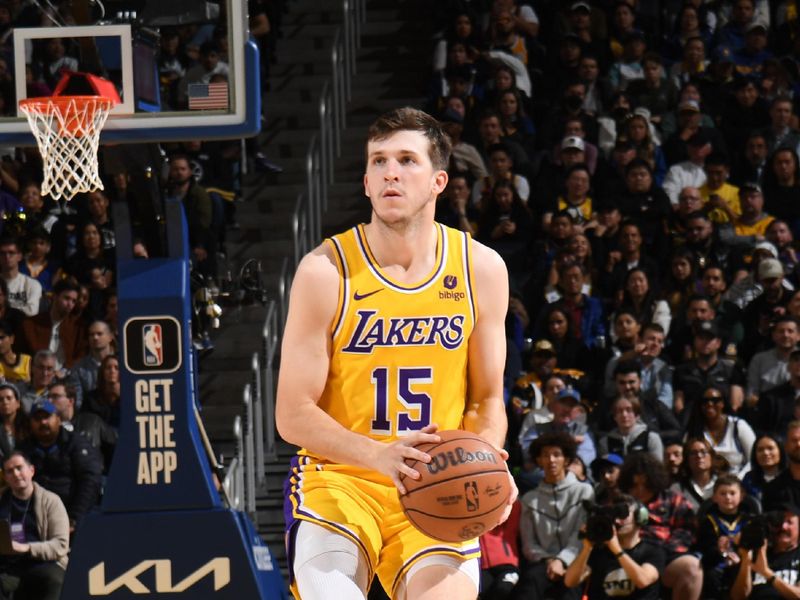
(459, 456)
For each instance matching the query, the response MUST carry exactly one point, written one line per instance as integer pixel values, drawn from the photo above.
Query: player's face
(401, 181)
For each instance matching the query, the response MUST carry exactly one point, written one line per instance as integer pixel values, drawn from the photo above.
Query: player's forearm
(309, 427)
(488, 420)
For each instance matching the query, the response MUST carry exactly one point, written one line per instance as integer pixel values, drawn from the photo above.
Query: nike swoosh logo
(358, 296)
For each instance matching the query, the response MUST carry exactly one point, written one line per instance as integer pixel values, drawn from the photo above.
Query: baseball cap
(569, 393)
(44, 406)
(607, 459)
(750, 186)
(689, 105)
(790, 507)
(770, 268)
(706, 328)
(580, 6)
(756, 26)
(573, 142)
(768, 246)
(544, 346)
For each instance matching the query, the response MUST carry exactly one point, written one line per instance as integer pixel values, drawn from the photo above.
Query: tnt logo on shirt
(152, 345)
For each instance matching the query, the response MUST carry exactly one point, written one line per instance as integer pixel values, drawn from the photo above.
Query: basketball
(463, 491)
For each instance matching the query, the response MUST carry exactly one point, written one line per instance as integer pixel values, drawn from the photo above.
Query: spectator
(14, 367)
(769, 369)
(56, 329)
(40, 549)
(766, 462)
(786, 486)
(689, 173)
(585, 313)
(37, 263)
(465, 156)
(731, 437)
(670, 523)
(198, 209)
(84, 373)
(24, 293)
(630, 434)
(780, 133)
(16, 426)
(65, 463)
(552, 515)
(782, 186)
(626, 562)
(564, 420)
(776, 407)
(673, 456)
(753, 222)
(501, 168)
(699, 471)
(719, 533)
(104, 400)
(752, 165)
(645, 203)
(748, 112)
(758, 574)
(605, 471)
(760, 314)
(97, 432)
(721, 199)
(90, 255)
(43, 373)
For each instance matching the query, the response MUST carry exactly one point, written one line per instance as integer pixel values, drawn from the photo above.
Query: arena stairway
(392, 70)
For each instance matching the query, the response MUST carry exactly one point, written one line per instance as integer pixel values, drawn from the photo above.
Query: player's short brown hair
(412, 119)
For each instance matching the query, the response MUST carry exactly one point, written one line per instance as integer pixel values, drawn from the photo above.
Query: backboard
(184, 69)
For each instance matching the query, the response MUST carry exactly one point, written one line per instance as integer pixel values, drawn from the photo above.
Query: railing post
(268, 347)
(258, 419)
(249, 452)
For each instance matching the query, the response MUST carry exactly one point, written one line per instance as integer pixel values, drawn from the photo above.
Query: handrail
(259, 425)
(249, 454)
(234, 478)
(270, 338)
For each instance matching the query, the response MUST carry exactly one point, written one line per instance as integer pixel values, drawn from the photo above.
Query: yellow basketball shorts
(365, 508)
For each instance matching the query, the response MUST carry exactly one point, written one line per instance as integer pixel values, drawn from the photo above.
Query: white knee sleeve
(471, 568)
(328, 565)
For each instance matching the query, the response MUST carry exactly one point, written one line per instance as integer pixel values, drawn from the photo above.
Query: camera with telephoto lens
(756, 531)
(600, 523)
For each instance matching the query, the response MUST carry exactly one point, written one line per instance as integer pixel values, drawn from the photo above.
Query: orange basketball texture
(463, 491)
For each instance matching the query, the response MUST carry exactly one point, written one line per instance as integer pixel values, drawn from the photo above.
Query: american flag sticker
(203, 96)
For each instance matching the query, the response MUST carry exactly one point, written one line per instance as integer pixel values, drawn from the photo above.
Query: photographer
(771, 573)
(552, 515)
(617, 561)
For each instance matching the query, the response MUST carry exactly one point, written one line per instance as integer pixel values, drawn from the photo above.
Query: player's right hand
(390, 459)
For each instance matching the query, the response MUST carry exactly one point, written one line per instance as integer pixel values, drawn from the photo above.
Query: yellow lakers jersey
(399, 351)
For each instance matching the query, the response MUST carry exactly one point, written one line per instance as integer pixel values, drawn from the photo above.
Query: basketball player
(395, 330)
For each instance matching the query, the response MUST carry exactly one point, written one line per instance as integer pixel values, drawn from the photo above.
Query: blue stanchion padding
(197, 555)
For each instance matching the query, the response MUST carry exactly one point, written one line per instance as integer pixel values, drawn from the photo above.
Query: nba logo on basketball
(153, 352)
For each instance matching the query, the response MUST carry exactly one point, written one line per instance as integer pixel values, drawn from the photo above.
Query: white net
(67, 130)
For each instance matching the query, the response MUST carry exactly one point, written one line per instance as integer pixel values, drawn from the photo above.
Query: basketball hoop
(67, 131)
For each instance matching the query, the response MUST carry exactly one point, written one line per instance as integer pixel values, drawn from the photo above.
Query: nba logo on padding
(151, 344)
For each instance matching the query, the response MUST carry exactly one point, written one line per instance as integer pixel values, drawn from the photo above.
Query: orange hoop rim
(46, 103)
